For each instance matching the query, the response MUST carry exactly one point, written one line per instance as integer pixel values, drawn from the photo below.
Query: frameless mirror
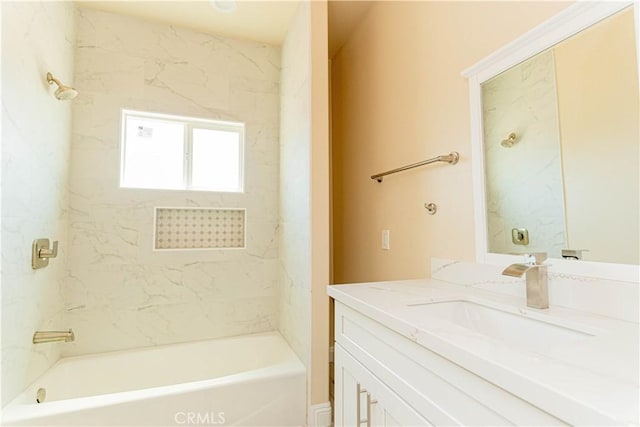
(561, 149)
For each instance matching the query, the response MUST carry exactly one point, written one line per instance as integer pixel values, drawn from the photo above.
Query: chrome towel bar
(451, 158)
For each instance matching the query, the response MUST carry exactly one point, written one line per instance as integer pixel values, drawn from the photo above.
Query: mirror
(561, 149)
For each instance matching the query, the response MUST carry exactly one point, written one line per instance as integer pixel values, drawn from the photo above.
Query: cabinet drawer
(431, 384)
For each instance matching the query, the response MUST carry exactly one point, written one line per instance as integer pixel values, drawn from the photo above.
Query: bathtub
(246, 380)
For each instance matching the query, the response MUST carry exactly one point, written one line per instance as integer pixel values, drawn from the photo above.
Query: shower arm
(51, 80)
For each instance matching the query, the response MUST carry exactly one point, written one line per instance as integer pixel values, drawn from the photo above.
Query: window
(181, 153)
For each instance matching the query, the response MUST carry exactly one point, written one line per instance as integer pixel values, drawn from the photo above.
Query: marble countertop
(587, 381)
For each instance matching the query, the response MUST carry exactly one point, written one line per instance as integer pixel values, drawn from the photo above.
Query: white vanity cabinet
(383, 378)
(362, 399)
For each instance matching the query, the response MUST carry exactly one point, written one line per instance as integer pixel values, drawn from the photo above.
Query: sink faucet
(536, 276)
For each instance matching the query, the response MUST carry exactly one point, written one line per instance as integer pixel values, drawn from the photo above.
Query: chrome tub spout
(40, 337)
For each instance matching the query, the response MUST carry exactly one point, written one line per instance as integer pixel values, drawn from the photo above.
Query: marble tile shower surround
(611, 298)
(294, 284)
(120, 293)
(36, 37)
(524, 182)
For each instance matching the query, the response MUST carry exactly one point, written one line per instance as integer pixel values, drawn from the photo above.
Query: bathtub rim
(20, 409)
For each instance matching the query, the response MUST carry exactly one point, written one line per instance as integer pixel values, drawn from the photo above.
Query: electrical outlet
(385, 240)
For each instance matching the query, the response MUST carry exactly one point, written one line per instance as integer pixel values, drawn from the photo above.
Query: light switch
(385, 240)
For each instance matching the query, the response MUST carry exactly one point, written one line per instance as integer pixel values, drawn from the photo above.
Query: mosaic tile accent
(195, 228)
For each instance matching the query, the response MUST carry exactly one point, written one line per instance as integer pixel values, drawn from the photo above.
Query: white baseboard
(320, 415)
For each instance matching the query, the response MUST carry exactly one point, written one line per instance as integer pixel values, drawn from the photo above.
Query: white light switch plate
(385, 240)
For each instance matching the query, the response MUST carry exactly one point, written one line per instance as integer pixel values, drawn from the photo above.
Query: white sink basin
(516, 330)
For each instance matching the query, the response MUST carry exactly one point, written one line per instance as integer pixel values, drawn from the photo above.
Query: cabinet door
(361, 399)
(346, 387)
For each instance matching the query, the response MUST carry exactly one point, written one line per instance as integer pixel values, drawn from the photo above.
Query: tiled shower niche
(199, 228)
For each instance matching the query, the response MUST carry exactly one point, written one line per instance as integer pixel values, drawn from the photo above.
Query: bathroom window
(181, 153)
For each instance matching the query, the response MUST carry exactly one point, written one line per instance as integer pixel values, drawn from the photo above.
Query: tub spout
(40, 337)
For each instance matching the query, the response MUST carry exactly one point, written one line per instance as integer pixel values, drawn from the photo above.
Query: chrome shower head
(63, 93)
(510, 141)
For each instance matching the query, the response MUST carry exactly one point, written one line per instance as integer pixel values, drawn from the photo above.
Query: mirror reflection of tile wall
(524, 181)
(572, 177)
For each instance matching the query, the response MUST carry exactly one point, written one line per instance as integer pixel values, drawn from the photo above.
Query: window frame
(189, 124)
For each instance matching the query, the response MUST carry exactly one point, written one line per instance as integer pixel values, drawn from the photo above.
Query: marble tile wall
(37, 37)
(611, 298)
(120, 293)
(294, 285)
(524, 182)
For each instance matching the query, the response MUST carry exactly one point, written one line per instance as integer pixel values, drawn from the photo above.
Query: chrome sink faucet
(536, 276)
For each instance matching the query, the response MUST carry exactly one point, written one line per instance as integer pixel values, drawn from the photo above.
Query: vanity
(463, 347)
(450, 350)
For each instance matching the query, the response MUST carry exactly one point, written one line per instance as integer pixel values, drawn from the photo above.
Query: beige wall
(319, 204)
(598, 109)
(36, 136)
(397, 98)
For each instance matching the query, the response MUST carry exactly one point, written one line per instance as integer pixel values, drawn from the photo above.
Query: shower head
(63, 93)
(224, 6)
(510, 141)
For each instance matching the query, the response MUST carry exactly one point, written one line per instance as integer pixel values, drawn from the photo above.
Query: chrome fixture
(431, 208)
(510, 141)
(224, 6)
(370, 401)
(451, 158)
(40, 337)
(41, 395)
(40, 253)
(537, 279)
(64, 92)
(520, 236)
(574, 254)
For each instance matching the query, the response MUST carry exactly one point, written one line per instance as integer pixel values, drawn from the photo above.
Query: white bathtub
(247, 380)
